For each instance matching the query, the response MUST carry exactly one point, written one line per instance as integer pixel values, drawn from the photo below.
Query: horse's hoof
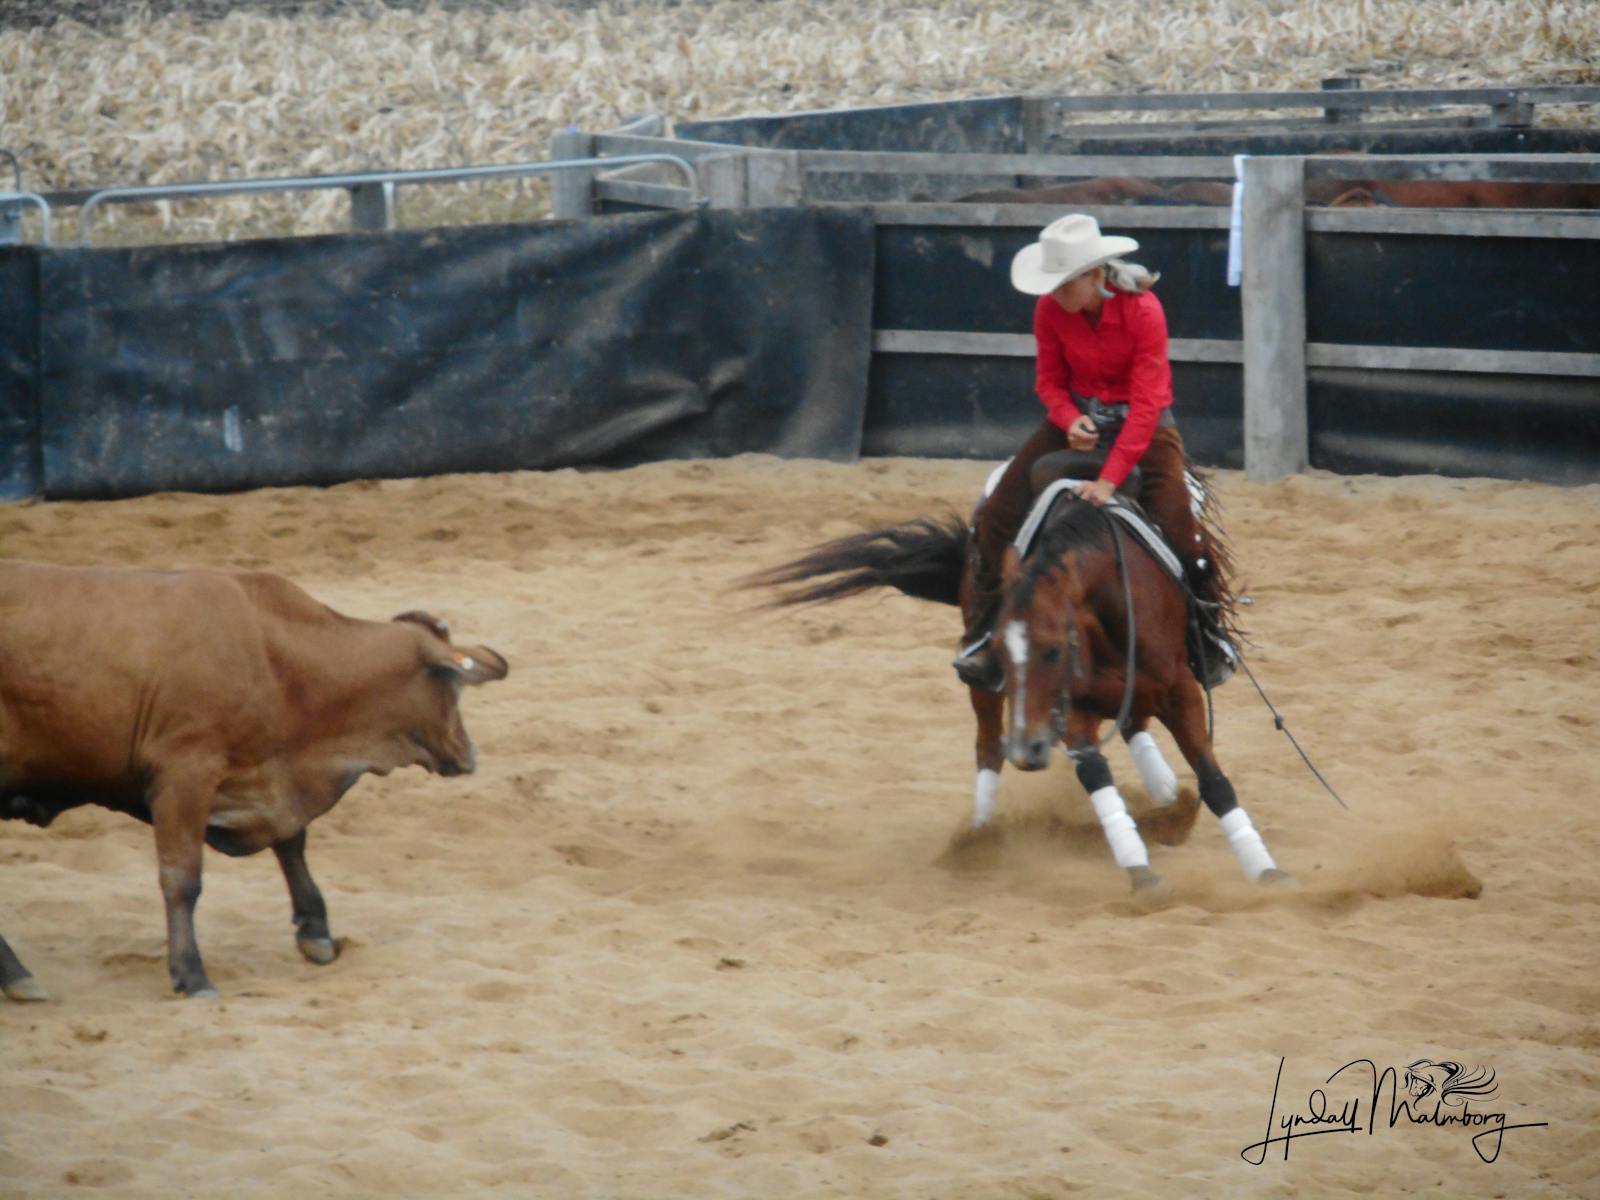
(1148, 887)
(321, 951)
(197, 988)
(1274, 878)
(26, 989)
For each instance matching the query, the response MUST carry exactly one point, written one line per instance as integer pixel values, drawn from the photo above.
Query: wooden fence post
(372, 207)
(1276, 441)
(775, 180)
(571, 192)
(722, 179)
(1341, 83)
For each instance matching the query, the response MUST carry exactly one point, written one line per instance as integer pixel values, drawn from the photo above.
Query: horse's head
(1042, 644)
(1449, 1081)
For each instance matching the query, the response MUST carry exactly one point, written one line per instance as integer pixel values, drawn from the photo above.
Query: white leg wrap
(1159, 781)
(1247, 845)
(1127, 847)
(984, 803)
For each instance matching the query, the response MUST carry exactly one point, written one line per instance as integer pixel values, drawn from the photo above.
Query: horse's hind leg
(990, 712)
(1094, 773)
(1184, 715)
(1170, 820)
(1160, 782)
(15, 981)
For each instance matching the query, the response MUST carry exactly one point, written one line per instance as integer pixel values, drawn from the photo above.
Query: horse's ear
(1010, 566)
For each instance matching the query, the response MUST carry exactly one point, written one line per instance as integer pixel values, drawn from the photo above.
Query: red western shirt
(1123, 360)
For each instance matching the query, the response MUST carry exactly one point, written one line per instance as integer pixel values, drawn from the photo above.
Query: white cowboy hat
(1066, 249)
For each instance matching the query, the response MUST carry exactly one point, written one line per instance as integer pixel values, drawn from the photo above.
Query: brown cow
(1111, 189)
(1444, 193)
(1336, 193)
(226, 709)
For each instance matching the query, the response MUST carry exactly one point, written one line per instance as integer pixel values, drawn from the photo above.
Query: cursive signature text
(1343, 1113)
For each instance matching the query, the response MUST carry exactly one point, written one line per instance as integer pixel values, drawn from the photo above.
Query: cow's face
(429, 709)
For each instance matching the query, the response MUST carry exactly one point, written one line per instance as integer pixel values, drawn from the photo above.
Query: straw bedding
(186, 90)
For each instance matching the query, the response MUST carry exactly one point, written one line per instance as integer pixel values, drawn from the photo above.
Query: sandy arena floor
(696, 927)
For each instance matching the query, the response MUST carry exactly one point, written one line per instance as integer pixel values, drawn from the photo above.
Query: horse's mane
(1072, 525)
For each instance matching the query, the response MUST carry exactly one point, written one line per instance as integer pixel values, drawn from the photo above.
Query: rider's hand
(1097, 491)
(1082, 435)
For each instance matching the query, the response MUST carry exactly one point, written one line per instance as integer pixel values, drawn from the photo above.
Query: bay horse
(1069, 612)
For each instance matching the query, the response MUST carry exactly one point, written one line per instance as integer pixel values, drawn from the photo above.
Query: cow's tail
(922, 558)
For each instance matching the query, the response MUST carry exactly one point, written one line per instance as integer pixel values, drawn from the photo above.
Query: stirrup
(1220, 658)
(978, 667)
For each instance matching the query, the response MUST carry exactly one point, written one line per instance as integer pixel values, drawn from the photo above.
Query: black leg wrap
(1094, 772)
(1217, 792)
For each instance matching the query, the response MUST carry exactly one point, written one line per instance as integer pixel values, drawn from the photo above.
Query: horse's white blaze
(1127, 847)
(983, 804)
(1247, 845)
(1159, 781)
(1017, 643)
(1016, 636)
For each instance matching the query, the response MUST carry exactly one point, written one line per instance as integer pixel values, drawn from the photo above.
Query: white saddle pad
(1135, 522)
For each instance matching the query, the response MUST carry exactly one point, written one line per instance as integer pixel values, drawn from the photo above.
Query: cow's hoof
(1274, 878)
(208, 992)
(1149, 889)
(321, 951)
(25, 989)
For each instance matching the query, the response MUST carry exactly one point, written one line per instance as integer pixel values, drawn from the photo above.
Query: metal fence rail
(10, 204)
(1508, 103)
(371, 192)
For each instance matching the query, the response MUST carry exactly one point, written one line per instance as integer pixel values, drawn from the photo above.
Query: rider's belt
(1108, 419)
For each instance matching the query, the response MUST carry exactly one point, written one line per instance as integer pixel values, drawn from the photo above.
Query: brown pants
(1163, 493)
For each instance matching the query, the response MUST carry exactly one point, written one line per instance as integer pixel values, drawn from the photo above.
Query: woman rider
(1101, 339)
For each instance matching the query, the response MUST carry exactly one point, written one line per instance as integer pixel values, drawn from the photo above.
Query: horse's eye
(1051, 656)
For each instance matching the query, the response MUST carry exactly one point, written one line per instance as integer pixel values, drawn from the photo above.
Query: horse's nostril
(1032, 755)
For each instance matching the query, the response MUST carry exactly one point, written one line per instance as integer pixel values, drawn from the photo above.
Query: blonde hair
(1129, 277)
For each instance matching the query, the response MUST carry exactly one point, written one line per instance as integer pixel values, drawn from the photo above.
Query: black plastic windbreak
(318, 360)
(1468, 293)
(19, 372)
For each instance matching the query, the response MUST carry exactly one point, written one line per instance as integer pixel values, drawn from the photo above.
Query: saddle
(1212, 666)
(1055, 475)
(1123, 507)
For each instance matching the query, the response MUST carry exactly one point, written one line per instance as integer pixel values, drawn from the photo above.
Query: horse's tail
(922, 558)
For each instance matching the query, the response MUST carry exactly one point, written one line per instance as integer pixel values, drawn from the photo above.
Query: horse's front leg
(1160, 781)
(989, 709)
(1184, 714)
(1094, 773)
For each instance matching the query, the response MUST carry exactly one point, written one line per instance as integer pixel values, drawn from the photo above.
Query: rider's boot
(1212, 655)
(979, 666)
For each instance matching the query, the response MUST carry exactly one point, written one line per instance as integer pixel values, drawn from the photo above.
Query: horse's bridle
(1058, 715)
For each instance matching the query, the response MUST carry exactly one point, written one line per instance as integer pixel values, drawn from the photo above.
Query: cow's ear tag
(463, 662)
